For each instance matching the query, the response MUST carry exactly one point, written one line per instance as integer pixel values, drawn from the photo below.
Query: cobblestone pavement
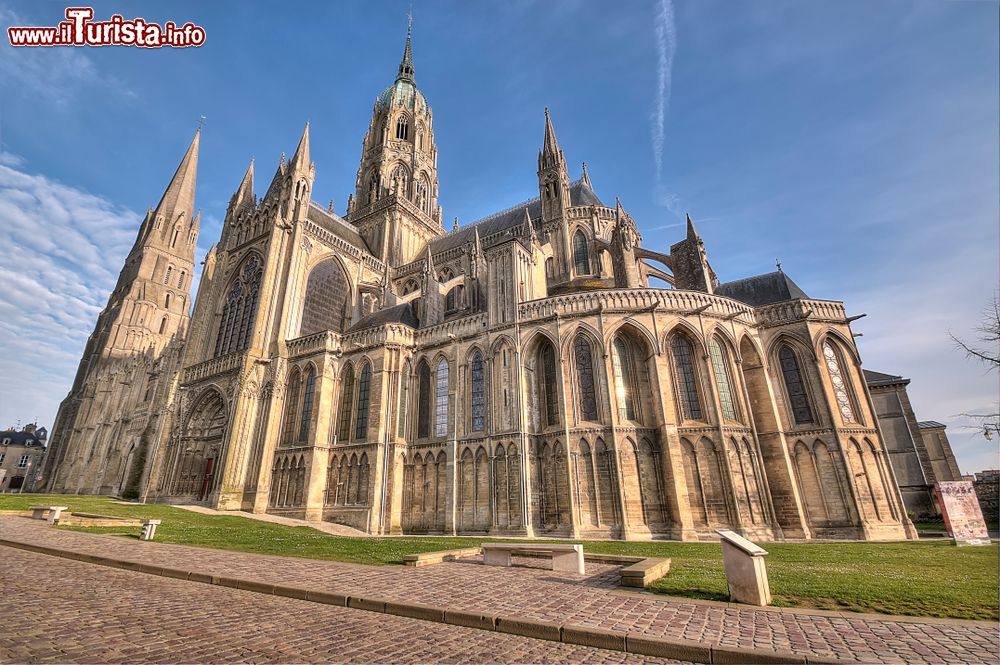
(62, 611)
(540, 594)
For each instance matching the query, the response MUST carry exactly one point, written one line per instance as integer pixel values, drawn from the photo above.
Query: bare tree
(985, 350)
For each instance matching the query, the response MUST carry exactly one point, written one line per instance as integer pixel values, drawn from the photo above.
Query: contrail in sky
(666, 44)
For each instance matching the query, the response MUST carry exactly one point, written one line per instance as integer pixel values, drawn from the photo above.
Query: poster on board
(963, 518)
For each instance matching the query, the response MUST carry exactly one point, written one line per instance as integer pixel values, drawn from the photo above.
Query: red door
(206, 478)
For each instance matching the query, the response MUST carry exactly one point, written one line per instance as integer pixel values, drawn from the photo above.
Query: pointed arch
(581, 254)
(794, 382)
(586, 385)
(841, 381)
(441, 398)
(328, 298)
(477, 389)
(292, 388)
(686, 383)
(239, 307)
(719, 354)
(423, 399)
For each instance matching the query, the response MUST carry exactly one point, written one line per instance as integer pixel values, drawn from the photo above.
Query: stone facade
(919, 451)
(987, 484)
(514, 376)
(22, 454)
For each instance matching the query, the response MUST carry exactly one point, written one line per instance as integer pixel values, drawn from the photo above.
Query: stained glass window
(839, 386)
(240, 308)
(346, 402)
(441, 400)
(550, 394)
(424, 400)
(364, 387)
(585, 378)
(307, 404)
(720, 367)
(478, 393)
(404, 391)
(291, 405)
(621, 364)
(794, 385)
(687, 384)
(581, 255)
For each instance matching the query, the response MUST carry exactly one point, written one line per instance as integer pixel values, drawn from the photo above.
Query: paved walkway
(544, 595)
(326, 527)
(84, 613)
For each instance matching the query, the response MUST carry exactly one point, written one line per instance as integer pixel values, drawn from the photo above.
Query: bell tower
(395, 203)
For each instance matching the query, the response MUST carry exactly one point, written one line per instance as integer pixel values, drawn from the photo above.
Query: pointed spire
(477, 243)
(179, 195)
(528, 227)
(551, 145)
(619, 210)
(406, 64)
(692, 232)
(586, 176)
(429, 265)
(244, 193)
(300, 160)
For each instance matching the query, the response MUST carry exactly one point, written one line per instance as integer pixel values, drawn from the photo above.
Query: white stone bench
(50, 512)
(565, 558)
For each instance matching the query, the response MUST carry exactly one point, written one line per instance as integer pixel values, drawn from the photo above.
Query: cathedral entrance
(195, 452)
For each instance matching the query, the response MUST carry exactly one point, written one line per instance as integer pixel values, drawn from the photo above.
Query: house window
(2, 456)
(23, 462)
(839, 385)
(687, 386)
(585, 378)
(364, 388)
(794, 386)
(720, 367)
(441, 400)
(581, 255)
(478, 393)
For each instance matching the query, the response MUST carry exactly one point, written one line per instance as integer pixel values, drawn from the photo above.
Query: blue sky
(855, 141)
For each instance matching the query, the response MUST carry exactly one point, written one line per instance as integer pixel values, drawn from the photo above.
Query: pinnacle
(179, 195)
(301, 156)
(551, 145)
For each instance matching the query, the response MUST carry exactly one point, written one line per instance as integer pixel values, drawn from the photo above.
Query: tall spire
(244, 193)
(551, 145)
(300, 160)
(406, 64)
(179, 195)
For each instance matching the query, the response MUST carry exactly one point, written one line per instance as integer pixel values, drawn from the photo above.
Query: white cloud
(666, 44)
(63, 248)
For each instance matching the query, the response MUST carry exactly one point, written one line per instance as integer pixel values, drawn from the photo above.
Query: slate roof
(21, 438)
(396, 314)
(762, 290)
(580, 194)
(335, 225)
(880, 378)
(929, 424)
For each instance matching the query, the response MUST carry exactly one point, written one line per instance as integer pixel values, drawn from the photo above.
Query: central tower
(395, 203)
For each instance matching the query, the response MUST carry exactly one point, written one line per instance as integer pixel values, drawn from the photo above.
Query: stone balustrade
(212, 367)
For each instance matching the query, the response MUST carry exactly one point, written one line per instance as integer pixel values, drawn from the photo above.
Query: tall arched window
(621, 364)
(833, 365)
(240, 309)
(720, 367)
(346, 402)
(307, 404)
(585, 378)
(163, 325)
(441, 400)
(180, 279)
(794, 385)
(166, 301)
(327, 302)
(423, 400)
(581, 255)
(547, 378)
(364, 388)
(478, 392)
(168, 274)
(403, 128)
(404, 391)
(687, 385)
(173, 238)
(291, 406)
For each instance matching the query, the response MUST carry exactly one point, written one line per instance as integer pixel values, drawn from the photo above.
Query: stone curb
(569, 634)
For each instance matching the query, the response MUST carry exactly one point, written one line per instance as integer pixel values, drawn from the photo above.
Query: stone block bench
(430, 558)
(50, 512)
(565, 558)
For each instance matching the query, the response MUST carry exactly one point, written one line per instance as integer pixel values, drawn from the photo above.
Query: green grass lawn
(928, 578)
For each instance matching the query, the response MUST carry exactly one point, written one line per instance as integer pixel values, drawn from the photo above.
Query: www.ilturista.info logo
(80, 30)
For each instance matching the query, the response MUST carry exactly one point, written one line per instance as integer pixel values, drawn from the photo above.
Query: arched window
(404, 391)
(166, 301)
(684, 376)
(173, 238)
(364, 387)
(581, 255)
(346, 395)
(621, 364)
(833, 365)
(441, 400)
(169, 273)
(180, 279)
(422, 198)
(453, 300)
(374, 186)
(720, 367)
(327, 302)
(240, 309)
(291, 406)
(307, 404)
(585, 378)
(423, 400)
(794, 385)
(163, 325)
(478, 392)
(547, 378)
(403, 128)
